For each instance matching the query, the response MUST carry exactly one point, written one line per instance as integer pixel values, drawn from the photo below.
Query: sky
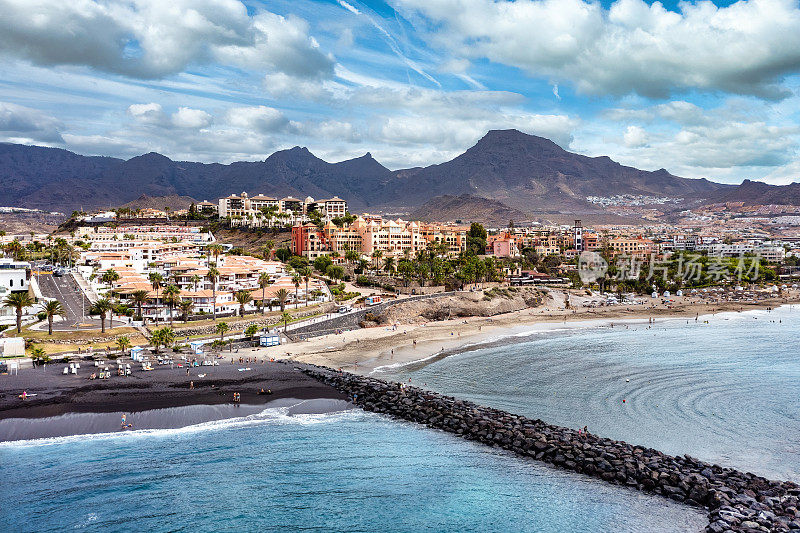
(703, 89)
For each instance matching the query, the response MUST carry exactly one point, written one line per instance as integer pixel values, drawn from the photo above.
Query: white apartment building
(15, 275)
(767, 252)
(254, 211)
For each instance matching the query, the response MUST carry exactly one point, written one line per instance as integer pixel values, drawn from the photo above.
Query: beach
(362, 351)
(51, 393)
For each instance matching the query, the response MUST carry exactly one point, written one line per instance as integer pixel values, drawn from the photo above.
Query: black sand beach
(51, 393)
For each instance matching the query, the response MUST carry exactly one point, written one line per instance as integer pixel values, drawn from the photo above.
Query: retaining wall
(736, 501)
(350, 321)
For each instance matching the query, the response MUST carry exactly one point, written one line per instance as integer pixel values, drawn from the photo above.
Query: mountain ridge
(526, 173)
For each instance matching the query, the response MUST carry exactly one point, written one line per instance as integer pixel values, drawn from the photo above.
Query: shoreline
(57, 394)
(365, 351)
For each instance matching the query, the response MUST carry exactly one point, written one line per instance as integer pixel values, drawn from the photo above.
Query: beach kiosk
(136, 353)
(197, 347)
(270, 339)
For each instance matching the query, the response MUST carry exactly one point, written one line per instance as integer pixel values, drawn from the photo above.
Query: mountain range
(525, 173)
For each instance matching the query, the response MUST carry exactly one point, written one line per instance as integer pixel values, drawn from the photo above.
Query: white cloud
(156, 38)
(745, 48)
(259, 118)
(789, 173)
(23, 124)
(151, 113)
(635, 137)
(186, 117)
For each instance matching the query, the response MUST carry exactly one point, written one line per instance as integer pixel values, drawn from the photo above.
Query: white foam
(271, 415)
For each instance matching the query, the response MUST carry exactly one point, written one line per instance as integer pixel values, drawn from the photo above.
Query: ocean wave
(296, 412)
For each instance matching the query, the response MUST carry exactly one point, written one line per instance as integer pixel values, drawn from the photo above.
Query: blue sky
(703, 89)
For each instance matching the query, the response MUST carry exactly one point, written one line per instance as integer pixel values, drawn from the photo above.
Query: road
(66, 290)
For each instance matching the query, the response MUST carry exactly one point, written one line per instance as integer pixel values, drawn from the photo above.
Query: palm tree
(377, 254)
(171, 293)
(282, 294)
(167, 337)
(263, 282)
(251, 330)
(123, 343)
(213, 276)
(286, 316)
(222, 327)
(38, 354)
(243, 297)
(216, 250)
(306, 273)
(156, 281)
(155, 339)
(109, 277)
(139, 298)
(19, 301)
(268, 247)
(162, 337)
(195, 280)
(296, 282)
(52, 308)
(186, 308)
(101, 307)
(388, 264)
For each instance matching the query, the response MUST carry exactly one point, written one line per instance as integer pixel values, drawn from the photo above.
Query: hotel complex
(369, 234)
(260, 210)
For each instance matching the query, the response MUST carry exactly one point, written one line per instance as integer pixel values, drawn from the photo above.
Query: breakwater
(736, 501)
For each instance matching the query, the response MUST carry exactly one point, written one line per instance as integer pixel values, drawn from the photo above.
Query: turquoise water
(727, 391)
(349, 471)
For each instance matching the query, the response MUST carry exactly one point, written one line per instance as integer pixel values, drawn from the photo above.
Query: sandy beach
(362, 351)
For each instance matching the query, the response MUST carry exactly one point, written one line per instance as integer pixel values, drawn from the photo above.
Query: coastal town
(126, 279)
(449, 266)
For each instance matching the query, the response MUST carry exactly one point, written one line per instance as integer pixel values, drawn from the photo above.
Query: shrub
(41, 316)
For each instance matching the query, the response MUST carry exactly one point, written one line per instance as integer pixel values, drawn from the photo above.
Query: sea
(726, 390)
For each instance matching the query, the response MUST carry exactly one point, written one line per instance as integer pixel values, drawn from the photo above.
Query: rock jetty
(736, 501)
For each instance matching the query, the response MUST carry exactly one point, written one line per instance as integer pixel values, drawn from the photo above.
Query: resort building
(369, 234)
(261, 210)
(636, 247)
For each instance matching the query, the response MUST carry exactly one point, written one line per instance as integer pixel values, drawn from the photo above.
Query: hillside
(534, 174)
(529, 174)
(466, 207)
(760, 193)
(174, 202)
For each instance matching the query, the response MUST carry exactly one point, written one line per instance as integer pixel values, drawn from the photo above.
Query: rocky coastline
(735, 500)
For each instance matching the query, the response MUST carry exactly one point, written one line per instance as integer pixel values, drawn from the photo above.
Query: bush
(388, 287)
(363, 281)
(41, 316)
(372, 317)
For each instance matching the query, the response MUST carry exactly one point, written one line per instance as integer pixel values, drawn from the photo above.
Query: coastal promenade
(736, 501)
